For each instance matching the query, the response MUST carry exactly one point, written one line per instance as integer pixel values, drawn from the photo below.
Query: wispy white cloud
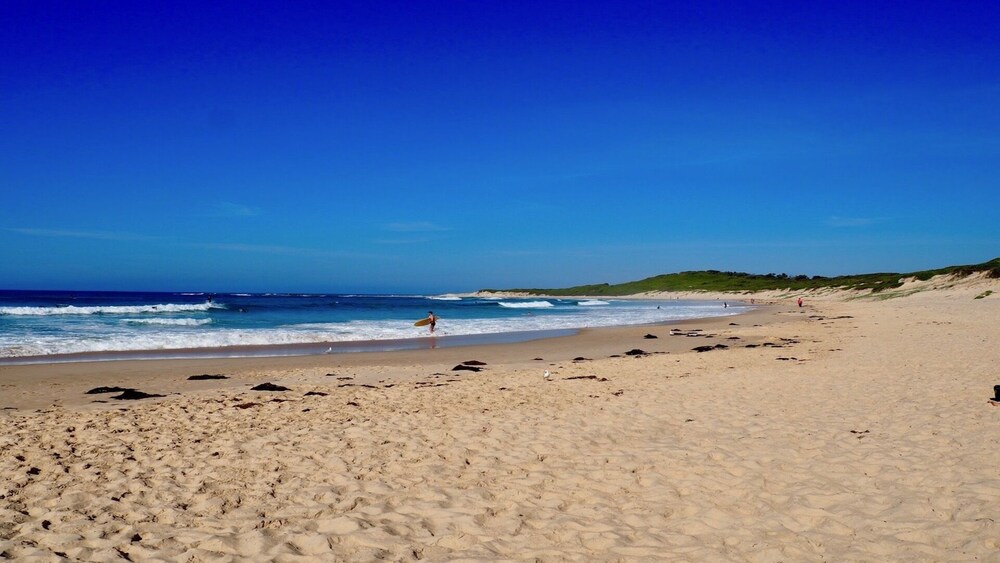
(522, 253)
(853, 222)
(275, 249)
(98, 235)
(263, 248)
(413, 240)
(230, 209)
(414, 227)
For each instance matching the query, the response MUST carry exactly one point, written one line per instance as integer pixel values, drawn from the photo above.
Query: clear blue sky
(438, 146)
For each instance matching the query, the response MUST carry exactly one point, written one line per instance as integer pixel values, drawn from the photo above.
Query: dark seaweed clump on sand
(134, 395)
(206, 376)
(269, 387)
(103, 390)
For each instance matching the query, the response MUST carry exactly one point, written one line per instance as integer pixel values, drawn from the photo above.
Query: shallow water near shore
(288, 350)
(73, 326)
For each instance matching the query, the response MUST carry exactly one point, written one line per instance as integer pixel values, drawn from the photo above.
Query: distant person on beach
(800, 301)
(433, 320)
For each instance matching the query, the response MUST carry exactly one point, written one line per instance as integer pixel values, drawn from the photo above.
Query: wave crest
(168, 322)
(526, 305)
(109, 309)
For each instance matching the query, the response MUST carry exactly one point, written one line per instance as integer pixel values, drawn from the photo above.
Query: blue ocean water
(46, 323)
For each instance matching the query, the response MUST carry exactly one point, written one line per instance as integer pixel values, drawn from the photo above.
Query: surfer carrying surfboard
(430, 321)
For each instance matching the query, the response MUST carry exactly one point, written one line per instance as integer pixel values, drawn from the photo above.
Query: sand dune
(862, 431)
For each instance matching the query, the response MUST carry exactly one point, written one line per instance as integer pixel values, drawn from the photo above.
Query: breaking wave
(109, 309)
(168, 322)
(526, 305)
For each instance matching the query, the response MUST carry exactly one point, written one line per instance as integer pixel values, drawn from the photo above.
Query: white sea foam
(168, 322)
(592, 303)
(95, 335)
(447, 297)
(526, 304)
(110, 309)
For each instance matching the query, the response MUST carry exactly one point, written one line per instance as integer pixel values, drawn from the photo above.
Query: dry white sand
(867, 435)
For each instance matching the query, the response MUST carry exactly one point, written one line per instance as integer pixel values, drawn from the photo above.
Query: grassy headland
(714, 280)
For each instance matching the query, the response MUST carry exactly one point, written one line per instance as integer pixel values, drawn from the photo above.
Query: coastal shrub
(715, 280)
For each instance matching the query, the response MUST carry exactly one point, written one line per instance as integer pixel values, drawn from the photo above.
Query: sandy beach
(854, 428)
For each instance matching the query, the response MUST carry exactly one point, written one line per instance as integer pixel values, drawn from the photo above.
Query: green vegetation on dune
(714, 280)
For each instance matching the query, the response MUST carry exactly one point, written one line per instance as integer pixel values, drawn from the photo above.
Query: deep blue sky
(414, 147)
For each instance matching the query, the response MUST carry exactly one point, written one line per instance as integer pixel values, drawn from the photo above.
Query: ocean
(49, 326)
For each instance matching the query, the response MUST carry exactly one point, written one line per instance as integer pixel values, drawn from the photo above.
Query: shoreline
(291, 350)
(26, 384)
(291, 344)
(325, 347)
